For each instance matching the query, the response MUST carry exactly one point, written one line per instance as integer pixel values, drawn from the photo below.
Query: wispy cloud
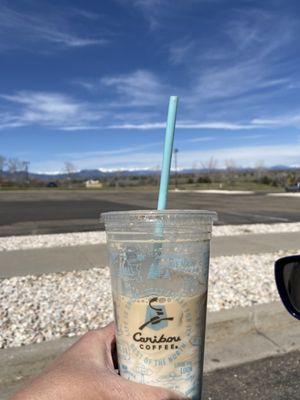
(235, 80)
(291, 119)
(198, 139)
(252, 30)
(62, 112)
(227, 94)
(157, 11)
(26, 28)
(90, 85)
(114, 152)
(244, 156)
(180, 50)
(252, 136)
(8, 121)
(249, 70)
(237, 137)
(140, 88)
(151, 10)
(49, 109)
(245, 69)
(220, 125)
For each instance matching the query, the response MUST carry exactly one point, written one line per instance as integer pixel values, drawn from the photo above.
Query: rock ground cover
(88, 238)
(38, 308)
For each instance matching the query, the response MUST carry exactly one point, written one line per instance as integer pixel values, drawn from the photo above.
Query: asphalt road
(275, 378)
(50, 211)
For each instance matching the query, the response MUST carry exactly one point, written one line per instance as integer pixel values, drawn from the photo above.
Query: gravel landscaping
(86, 238)
(38, 308)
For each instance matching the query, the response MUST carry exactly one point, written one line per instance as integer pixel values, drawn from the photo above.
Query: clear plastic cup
(159, 272)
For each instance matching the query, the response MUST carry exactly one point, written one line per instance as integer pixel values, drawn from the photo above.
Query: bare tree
(230, 169)
(69, 167)
(210, 167)
(259, 170)
(2, 164)
(14, 166)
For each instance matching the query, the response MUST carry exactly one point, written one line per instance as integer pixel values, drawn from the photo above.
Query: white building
(93, 184)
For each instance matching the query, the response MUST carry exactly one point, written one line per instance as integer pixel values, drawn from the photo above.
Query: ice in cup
(159, 272)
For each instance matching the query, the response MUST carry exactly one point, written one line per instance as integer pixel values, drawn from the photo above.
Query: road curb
(57, 259)
(247, 334)
(233, 337)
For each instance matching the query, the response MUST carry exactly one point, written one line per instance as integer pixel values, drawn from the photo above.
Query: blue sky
(88, 82)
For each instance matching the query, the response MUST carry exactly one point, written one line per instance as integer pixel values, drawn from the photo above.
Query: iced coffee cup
(159, 264)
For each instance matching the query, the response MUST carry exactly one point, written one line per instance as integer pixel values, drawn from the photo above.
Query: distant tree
(210, 167)
(2, 165)
(259, 170)
(14, 166)
(69, 168)
(231, 169)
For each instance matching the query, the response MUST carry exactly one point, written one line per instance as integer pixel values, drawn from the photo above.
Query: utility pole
(26, 167)
(176, 168)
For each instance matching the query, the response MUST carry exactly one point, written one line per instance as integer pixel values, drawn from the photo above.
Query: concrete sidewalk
(39, 261)
(233, 337)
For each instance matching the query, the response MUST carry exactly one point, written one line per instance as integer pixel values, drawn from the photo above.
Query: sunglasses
(287, 277)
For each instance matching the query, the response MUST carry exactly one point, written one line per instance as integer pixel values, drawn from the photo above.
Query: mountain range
(86, 174)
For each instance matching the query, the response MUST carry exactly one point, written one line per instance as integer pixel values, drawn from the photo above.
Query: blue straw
(167, 157)
(156, 270)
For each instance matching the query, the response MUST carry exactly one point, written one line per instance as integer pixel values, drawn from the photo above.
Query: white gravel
(248, 229)
(288, 194)
(11, 243)
(35, 309)
(38, 308)
(214, 191)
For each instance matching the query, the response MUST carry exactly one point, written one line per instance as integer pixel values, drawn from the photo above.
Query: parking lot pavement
(273, 378)
(32, 212)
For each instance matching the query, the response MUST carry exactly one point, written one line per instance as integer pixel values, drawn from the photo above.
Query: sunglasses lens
(291, 281)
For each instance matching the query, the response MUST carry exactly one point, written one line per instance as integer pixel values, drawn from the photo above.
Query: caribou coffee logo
(156, 319)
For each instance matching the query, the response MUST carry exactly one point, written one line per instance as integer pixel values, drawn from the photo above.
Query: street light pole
(176, 176)
(26, 165)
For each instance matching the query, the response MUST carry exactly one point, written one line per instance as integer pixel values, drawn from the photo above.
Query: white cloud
(151, 10)
(198, 139)
(243, 156)
(74, 128)
(23, 29)
(234, 80)
(252, 30)
(179, 50)
(140, 88)
(291, 119)
(50, 109)
(247, 66)
(63, 112)
(248, 156)
(88, 85)
(230, 126)
(157, 11)
(104, 153)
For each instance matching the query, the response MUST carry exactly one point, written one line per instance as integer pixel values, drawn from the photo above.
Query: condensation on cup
(159, 272)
